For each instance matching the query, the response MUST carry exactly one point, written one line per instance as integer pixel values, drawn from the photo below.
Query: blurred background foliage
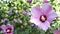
(11, 11)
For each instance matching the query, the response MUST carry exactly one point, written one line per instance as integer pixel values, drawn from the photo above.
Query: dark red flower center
(8, 30)
(43, 18)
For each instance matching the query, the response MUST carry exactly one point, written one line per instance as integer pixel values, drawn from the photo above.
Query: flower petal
(36, 11)
(3, 28)
(45, 1)
(44, 25)
(51, 16)
(46, 8)
(56, 32)
(34, 20)
(9, 33)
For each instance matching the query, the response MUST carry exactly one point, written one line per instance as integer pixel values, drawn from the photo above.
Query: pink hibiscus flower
(45, 1)
(7, 29)
(42, 16)
(29, 1)
(56, 32)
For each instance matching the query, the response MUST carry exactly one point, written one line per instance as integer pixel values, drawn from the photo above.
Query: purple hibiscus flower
(56, 32)
(45, 1)
(42, 16)
(7, 29)
(29, 1)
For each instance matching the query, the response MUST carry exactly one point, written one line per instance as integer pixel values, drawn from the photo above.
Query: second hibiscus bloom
(42, 16)
(7, 29)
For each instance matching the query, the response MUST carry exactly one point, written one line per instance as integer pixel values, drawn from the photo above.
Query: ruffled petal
(46, 8)
(36, 11)
(44, 25)
(34, 20)
(51, 16)
(3, 28)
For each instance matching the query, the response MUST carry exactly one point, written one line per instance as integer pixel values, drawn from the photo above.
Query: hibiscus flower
(56, 32)
(7, 29)
(43, 16)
